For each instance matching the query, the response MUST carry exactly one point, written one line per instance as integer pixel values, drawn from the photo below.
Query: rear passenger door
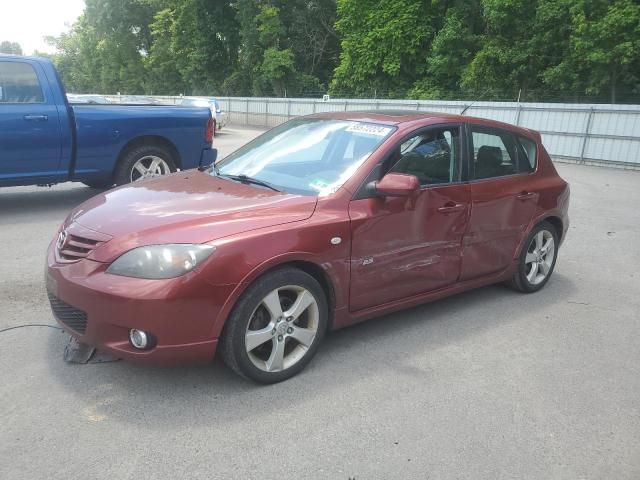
(502, 202)
(30, 135)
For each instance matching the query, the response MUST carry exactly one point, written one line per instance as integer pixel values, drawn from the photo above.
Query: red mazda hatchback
(320, 223)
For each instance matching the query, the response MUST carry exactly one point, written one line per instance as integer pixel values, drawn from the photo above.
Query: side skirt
(345, 318)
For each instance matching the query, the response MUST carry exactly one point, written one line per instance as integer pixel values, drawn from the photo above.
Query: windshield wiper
(247, 179)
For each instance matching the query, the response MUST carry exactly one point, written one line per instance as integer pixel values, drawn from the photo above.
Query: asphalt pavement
(490, 384)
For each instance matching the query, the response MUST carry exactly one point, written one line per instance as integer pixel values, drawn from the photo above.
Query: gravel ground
(488, 384)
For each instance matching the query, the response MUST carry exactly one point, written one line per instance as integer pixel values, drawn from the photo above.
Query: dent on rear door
(497, 223)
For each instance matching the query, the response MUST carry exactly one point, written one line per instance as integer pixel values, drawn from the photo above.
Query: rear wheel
(537, 259)
(145, 161)
(276, 327)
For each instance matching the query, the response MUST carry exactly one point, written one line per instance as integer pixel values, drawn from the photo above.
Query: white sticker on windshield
(377, 130)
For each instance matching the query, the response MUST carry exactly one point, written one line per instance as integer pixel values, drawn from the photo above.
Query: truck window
(19, 83)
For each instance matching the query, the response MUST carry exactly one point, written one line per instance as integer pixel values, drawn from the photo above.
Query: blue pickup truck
(45, 140)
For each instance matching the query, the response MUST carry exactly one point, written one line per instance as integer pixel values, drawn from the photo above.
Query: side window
(529, 157)
(433, 156)
(19, 83)
(494, 153)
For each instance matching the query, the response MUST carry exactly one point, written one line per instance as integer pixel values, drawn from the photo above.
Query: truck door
(30, 134)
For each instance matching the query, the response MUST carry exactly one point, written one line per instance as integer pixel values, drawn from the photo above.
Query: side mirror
(395, 185)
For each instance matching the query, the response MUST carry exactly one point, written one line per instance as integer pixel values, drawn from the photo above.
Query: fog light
(138, 339)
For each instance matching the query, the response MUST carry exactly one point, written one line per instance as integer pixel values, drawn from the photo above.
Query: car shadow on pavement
(30, 203)
(413, 343)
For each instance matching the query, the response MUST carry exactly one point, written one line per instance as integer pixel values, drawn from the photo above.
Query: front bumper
(179, 312)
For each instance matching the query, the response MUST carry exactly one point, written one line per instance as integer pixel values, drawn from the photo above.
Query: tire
(145, 155)
(296, 337)
(535, 266)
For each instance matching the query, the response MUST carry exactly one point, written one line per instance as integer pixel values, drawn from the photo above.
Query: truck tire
(144, 161)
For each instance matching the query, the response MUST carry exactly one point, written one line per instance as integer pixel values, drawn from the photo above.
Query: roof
(390, 117)
(398, 117)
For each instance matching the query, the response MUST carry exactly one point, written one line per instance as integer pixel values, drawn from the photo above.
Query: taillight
(208, 135)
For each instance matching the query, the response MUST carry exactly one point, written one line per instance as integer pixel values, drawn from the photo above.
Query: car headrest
(488, 155)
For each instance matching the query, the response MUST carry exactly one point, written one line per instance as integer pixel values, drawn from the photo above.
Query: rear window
(19, 83)
(529, 154)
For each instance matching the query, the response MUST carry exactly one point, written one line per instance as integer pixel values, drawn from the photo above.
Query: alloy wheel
(539, 258)
(282, 328)
(149, 166)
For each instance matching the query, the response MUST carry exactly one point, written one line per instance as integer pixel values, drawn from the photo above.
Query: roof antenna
(466, 107)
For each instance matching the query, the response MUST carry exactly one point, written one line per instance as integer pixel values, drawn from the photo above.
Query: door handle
(526, 195)
(451, 207)
(36, 118)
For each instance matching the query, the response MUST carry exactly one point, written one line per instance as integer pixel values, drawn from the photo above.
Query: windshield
(307, 156)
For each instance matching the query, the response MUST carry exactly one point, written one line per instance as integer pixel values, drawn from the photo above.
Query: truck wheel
(145, 161)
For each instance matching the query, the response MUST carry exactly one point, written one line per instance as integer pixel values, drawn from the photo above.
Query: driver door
(406, 246)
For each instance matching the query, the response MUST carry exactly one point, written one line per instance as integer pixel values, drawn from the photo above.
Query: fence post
(289, 109)
(345, 105)
(585, 137)
(517, 122)
(314, 106)
(266, 112)
(246, 113)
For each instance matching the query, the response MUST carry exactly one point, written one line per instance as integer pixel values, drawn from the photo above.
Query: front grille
(75, 248)
(73, 318)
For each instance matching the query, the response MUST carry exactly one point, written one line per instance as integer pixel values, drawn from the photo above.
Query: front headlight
(160, 261)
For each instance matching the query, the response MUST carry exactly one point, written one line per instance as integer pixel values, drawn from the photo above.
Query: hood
(187, 207)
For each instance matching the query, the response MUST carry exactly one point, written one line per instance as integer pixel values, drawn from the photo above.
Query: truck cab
(45, 140)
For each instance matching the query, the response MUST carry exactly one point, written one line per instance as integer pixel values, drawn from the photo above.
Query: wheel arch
(557, 224)
(306, 265)
(553, 219)
(155, 140)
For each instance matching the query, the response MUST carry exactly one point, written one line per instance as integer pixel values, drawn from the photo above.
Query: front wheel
(145, 161)
(276, 327)
(537, 259)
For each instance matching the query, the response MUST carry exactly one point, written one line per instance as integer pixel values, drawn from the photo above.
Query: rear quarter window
(529, 154)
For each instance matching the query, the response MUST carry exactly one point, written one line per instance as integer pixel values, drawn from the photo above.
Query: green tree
(163, 76)
(12, 48)
(504, 64)
(383, 44)
(454, 45)
(604, 49)
(76, 61)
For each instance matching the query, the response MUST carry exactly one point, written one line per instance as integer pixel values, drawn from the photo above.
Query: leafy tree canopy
(493, 49)
(12, 48)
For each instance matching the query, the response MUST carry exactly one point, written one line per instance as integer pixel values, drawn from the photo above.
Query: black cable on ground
(31, 325)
